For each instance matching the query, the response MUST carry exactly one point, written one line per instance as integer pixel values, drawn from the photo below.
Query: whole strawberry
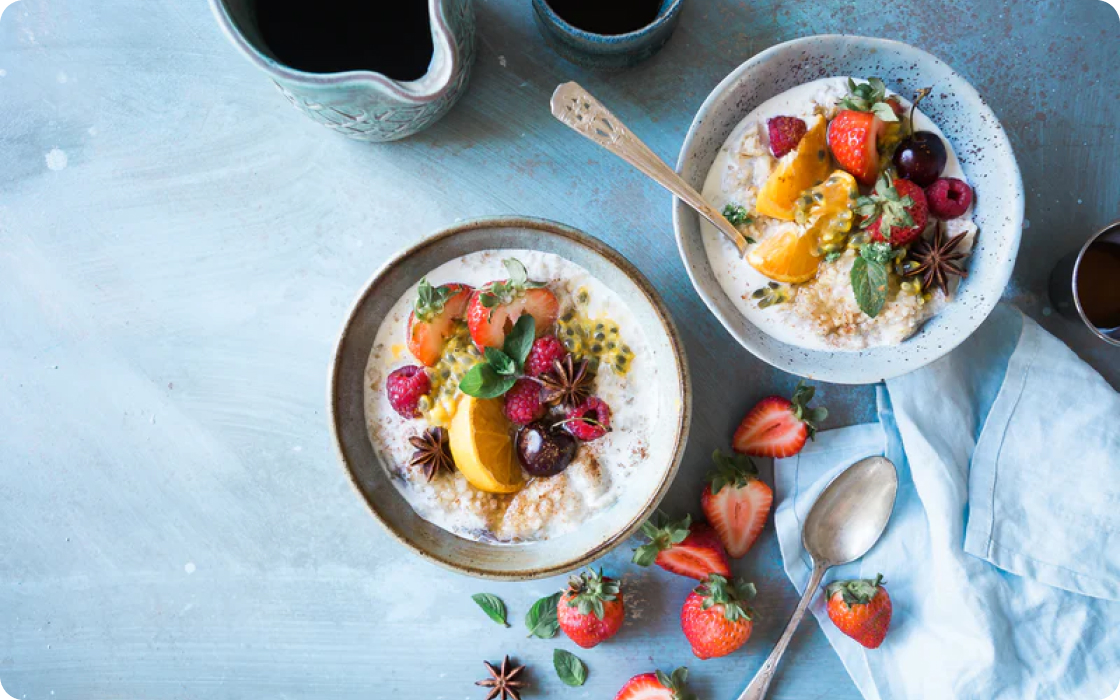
(715, 617)
(736, 502)
(683, 547)
(591, 610)
(895, 213)
(657, 686)
(860, 609)
(779, 427)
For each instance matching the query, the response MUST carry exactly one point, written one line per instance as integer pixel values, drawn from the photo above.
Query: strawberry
(656, 686)
(715, 617)
(785, 133)
(684, 548)
(860, 609)
(778, 427)
(591, 610)
(736, 502)
(433, 318)
(495, 307)
(895, 213)
(853, 139)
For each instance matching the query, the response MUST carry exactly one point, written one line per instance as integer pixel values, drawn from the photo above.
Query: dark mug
(1086, 285)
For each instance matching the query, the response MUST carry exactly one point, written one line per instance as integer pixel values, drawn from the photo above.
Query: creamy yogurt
(546, 507)
(822, 314)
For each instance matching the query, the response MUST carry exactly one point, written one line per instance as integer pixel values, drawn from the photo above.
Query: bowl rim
(664, 14)
(1000, 278)
(684, 384)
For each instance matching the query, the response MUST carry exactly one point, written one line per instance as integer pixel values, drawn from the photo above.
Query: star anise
(937, 259)
(568, 382)
(503, 682)
(431, 452)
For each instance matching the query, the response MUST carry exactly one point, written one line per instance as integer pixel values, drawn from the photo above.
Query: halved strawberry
(495, 307)
(433, 318)
(657, 686)
(853, 138)
(684, 548)
(778, 427)
(736, 502)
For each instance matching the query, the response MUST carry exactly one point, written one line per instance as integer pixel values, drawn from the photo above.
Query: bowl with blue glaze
(977, 138)
(606, 50)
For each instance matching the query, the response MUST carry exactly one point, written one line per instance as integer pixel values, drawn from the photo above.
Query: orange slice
(481, 446)
(789, 256)
(805, 167)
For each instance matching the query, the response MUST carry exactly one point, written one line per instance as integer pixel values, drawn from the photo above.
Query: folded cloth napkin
(1002, 557)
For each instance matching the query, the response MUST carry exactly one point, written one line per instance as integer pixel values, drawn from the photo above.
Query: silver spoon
(576, 107)
(845, 522)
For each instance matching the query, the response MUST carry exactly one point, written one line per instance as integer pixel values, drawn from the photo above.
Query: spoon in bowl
(845, 522)
(576, 108)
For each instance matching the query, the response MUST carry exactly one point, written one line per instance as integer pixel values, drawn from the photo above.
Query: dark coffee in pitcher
(331, 36)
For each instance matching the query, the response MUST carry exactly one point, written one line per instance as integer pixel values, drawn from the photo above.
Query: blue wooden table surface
(178, 248)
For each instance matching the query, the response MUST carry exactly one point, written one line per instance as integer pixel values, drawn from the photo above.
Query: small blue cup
(606, 50)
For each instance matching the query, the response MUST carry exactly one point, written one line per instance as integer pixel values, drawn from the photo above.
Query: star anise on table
(937, 259)
(568, 382)
(504, 682)
(431, 453)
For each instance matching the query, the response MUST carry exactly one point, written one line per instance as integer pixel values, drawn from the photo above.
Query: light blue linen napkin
(1002, 557)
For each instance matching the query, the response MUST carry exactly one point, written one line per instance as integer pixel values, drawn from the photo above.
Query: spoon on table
(576, 107)
(845, 522)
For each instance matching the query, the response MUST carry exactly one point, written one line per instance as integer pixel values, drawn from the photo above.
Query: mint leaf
(569, 668)
(884, 111)
(541, 618)
(499, 361)
(493, 606)
(518, 275)
(519, 341)
(869, 285)
(482, 382)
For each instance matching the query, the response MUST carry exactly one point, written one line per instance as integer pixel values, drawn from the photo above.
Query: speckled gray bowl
(599, 534)
(980, 144)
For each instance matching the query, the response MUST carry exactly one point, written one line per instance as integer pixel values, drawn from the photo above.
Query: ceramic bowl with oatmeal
(879, 198)
(523, 404)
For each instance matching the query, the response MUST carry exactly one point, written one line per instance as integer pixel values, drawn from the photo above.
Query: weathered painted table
(178, 248)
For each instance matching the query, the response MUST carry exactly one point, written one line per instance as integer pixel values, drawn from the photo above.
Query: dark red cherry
(921, 157)
(545, 450)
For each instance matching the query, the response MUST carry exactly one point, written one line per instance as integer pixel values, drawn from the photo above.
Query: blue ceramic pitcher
(364, 104)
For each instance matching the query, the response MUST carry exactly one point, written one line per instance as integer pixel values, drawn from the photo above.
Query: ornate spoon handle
(576, 107)
(761, 683)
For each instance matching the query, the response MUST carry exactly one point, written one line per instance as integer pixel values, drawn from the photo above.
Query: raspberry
(405, 386)
(948, 197)
(523, 402)
(785, 134)
(546, 350)
(590, 420)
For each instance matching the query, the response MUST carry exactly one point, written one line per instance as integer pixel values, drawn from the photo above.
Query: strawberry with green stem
(591, 610)
(715, 617)
(896, 212)
(779, 427)
(495, 307)
(736, 502)
(433, 318)
(861, 609)
(682, 547)
(657, 686)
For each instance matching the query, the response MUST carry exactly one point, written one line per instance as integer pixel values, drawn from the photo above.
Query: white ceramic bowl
(980, 144)
(599, 534)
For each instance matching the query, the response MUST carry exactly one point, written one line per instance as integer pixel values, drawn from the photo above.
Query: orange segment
(796, 172)
(481, 446)
(789, 256)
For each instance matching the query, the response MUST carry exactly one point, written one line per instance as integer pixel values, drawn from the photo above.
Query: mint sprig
(498, 371)
(870, 277)
(541, 620)
(493, 606)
